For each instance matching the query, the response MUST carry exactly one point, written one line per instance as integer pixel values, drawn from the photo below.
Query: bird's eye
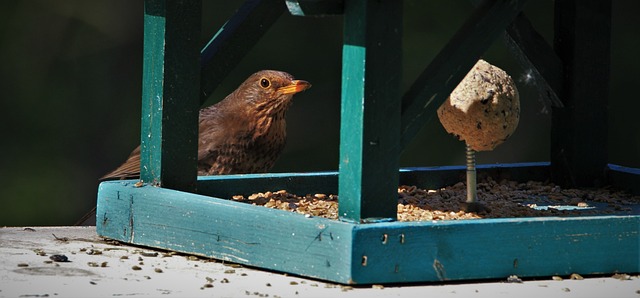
(265, 83)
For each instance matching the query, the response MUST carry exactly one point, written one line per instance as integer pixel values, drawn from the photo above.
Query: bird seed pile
(502, 199)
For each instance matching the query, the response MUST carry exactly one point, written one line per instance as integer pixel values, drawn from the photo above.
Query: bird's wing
(213, 128)
(130, 169)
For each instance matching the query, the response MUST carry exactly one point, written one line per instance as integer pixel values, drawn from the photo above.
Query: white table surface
(27, 271)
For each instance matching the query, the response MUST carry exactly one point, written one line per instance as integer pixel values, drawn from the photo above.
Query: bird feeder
(368, 245)
(483, 111)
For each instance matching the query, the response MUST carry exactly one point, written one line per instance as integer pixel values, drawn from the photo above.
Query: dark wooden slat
(624, 178)
(536, 56)
(235, 39)
(370, 114)
(453, 62)
(226, 186)
(579, 130)
(170, 103)
(315, 7)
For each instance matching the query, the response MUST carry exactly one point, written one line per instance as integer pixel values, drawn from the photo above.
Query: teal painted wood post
(370, 114)
(582, 40)
(170, 101)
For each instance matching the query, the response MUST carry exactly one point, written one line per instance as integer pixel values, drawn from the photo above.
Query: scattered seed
(62, 239)
(514, 279)
(556, 278)
(576, 276)
(136, 267)
(505, 198)
(346, 288)
(94, 251)
(621, 276)
(59, 258)
(23, 265)
(157, 270)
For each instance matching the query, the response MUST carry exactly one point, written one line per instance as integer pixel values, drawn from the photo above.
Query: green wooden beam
(579, 131)
(315, 7)
(170, 103)
(453, 62)
(370, 114)
(235, 39)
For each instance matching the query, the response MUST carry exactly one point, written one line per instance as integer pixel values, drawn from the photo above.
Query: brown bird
(243, 133)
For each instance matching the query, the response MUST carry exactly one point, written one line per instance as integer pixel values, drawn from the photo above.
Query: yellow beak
(295, 87)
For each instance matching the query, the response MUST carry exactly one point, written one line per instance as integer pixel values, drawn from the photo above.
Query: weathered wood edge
(495, 248)
(226, 230)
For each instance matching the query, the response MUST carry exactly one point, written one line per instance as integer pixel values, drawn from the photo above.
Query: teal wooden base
(387, 252)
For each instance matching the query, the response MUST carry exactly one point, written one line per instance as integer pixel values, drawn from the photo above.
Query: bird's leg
(472, 204)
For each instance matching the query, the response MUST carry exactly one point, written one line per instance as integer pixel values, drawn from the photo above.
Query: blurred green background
(70, 86)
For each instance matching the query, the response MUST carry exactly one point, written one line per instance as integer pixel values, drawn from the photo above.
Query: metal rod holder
(472, 191)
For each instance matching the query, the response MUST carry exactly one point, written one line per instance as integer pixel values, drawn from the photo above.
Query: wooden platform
(370, 253)
(99, 269)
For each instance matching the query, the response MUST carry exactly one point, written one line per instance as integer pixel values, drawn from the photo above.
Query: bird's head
(270, 90)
